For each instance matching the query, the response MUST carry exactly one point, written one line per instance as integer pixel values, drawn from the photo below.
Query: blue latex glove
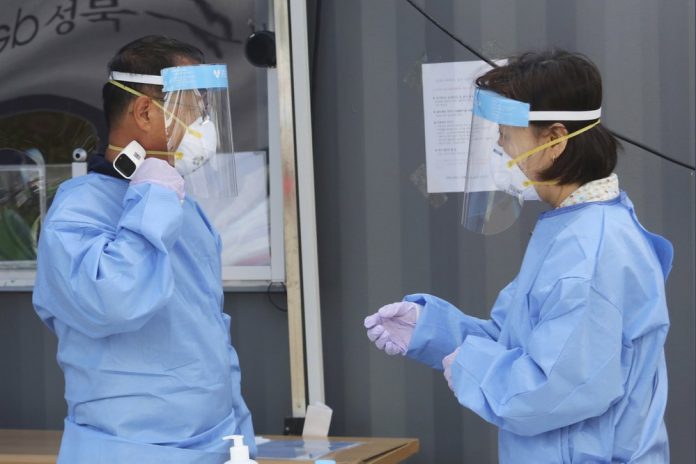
(157, 171)
(447, 365)
(392, 326)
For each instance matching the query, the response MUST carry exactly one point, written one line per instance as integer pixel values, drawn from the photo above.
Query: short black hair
(147, 55)
(557, 80)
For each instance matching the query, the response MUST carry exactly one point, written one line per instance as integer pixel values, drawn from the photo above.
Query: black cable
(493, 64)
(650, 150)
(268, 293)
(452, 36)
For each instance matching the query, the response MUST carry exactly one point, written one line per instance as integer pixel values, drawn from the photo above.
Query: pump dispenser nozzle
(239, 453)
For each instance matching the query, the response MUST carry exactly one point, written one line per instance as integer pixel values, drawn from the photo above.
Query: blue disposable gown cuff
(441, 328)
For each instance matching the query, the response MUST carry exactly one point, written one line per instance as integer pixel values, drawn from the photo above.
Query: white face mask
(193, 151)
(511, 179)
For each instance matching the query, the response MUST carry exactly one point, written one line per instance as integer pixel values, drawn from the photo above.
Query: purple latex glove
(392, 326)
(157, 171)
(447, 365)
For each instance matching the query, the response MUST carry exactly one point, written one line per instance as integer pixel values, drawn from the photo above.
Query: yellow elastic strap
(527, 183)
(529, 153)
(177, 154)
(193, 132)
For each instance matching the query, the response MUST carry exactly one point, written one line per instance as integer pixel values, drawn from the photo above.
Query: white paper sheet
(243, 221)
(448, 91)
(317, 420)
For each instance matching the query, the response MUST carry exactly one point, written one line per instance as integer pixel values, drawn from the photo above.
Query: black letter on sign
(4, 39)
(18, 25)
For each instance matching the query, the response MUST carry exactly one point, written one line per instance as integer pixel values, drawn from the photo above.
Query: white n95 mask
(509, 178)
(197, 147)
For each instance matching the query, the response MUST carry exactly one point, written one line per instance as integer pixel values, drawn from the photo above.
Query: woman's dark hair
(147, 55)
(560, 81)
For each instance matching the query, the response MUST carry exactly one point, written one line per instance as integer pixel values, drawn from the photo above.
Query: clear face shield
(500, 159)
(198, 125)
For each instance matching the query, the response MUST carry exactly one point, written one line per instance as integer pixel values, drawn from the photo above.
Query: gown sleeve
(441, 327)
(570, 369)
(102, 281)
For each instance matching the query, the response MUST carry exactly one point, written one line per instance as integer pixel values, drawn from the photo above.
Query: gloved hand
(447, 365)
(392, 326)
(157, 171)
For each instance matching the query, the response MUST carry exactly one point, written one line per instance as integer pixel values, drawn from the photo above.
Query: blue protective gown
(571, 365)
(129, 280)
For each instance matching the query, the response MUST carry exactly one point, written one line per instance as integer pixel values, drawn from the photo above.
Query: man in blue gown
(129, 279)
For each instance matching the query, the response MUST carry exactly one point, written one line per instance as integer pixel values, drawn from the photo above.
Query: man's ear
(143, 112)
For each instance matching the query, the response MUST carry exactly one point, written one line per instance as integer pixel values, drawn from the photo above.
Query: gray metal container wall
(380, 238)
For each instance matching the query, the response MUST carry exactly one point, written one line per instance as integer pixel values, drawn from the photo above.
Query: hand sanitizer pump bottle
(239, 454)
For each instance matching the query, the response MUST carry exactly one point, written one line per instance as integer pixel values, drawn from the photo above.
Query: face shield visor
(500, 159)
(197, 124)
